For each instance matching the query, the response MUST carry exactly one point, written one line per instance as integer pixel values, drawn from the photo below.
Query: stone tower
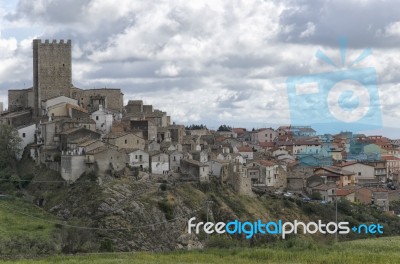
(51, 71)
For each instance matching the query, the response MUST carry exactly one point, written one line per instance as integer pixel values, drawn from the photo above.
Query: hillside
(23, 231)
(124, 214)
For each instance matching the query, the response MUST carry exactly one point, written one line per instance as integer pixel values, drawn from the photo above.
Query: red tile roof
(266, 144)
(245, 149)
(343, 192)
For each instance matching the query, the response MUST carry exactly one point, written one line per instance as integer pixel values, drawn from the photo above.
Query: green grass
(380, 250)
(20, 218)
(22, 229)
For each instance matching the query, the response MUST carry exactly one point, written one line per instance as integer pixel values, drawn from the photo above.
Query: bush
(163, 187)
(167, 208)
(316, 196)
(106, 245)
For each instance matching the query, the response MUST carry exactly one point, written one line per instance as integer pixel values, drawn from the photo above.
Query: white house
(159, 162)
(27, 134)
(216, 166)
(103, 119)
(306, 148)
(246, 152)
(138, 158)
(49, 103)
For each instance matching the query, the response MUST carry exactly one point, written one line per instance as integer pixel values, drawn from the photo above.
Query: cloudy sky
(209, 62)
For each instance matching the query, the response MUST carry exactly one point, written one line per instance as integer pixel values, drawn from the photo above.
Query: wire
(98, 228)
(17, 180)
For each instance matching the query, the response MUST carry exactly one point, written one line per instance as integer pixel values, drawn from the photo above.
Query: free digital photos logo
(249, 229)
(347, 98)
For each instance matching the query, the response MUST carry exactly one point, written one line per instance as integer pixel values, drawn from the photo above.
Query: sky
(220, 61)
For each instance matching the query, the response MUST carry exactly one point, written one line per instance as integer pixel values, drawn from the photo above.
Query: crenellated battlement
(53, 42)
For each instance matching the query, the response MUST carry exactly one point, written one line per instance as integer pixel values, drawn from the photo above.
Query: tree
(224, 128)
(10, 146)
(316, 196)
(196, 127)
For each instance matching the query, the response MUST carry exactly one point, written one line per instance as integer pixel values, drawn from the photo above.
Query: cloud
(204, 61)
(168, 70)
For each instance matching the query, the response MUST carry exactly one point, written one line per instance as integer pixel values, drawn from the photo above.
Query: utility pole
(336, 236)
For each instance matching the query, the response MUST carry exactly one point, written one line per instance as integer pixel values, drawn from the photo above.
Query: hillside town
(77, 131)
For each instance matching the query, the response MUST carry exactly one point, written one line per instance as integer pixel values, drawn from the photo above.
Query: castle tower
(51, 71)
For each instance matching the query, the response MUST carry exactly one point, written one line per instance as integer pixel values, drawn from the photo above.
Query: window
(359, 173)
(135, 156)
(126, 141)
(137, 141)
(23, 135)
(97, 117)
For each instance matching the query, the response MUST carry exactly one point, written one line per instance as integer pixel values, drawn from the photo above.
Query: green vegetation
(22, 230)
(167, 206)
(382, 250)
(196, 127)
(224, 128)
(10, 145)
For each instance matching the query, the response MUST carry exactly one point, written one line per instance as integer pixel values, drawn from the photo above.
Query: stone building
(105, 161)
(91, 99)
(52, 77)
(177, 133)
(16, 119)
(125, 140)
(235, 175)
(148, 128)
(196, 169)
(52, 71)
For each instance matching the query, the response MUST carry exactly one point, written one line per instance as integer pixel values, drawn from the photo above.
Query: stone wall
(52, 72)
(134, 106)
(281, 180)
(235, 175)
(177, 133)
(18, 99)
(72, 167)
(114, 98)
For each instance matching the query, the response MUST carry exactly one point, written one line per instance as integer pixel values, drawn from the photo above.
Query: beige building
(338, 175)
(125, 140)
(263, 135)
(106, 161)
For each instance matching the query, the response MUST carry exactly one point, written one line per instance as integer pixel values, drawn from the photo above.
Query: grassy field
(24, 232)
(381, 250)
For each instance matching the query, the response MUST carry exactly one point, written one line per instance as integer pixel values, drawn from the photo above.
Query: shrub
(107, 245)
(163, 187)
(167, 208)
